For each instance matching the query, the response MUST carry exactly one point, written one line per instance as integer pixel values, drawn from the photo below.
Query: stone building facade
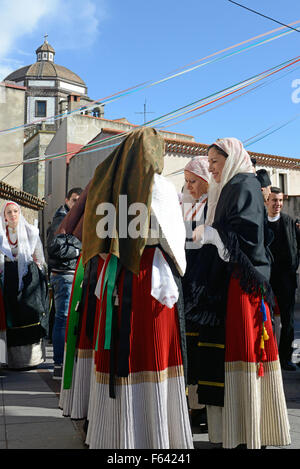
(51, 91)
(12, 101)
(34, 172)
(78, 166)
(48, 87)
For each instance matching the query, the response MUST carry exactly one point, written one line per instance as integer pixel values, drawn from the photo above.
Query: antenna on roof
(145, 112)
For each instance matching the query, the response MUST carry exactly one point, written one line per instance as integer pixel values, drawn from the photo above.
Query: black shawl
(239, 220)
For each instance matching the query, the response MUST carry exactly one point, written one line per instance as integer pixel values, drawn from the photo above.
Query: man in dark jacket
(63, 252)
(265, 182)
(285, 250)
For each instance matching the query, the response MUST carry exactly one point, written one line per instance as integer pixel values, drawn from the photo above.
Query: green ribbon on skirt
(73, 325)
(109, 284)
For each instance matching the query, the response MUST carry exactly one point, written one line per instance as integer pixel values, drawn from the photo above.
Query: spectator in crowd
(24, 309)
(253, 161)
(285, 250)
(63, 252)
(265, 182)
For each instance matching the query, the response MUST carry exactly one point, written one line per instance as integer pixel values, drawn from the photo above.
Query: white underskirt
(144, 415)
(3, 348)
(74, 401)
(24, 356)
(254, 411)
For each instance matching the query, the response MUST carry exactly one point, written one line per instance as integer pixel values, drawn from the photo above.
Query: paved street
(30, 418)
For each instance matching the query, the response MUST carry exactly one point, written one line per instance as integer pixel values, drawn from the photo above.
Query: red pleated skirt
(244, 328)
(154, 329)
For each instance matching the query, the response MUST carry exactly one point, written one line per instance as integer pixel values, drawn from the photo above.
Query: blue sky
(113, 45)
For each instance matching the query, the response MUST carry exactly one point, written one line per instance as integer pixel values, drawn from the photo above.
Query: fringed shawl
(128, 171)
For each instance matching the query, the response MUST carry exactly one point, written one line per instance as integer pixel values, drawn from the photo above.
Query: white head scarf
(28, 240)
(238, 161)
(199, 166)
(192, 209)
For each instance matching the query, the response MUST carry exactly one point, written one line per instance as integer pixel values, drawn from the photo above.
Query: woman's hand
(198, 235)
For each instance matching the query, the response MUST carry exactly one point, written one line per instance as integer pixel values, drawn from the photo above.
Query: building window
(51, 56)
(41, 109)
(45, 55)
(39, 56)
(282, 184)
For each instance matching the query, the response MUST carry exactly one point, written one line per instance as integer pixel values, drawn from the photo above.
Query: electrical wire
(259, 86)
(147, 84)
(264, 16)
(175, 113)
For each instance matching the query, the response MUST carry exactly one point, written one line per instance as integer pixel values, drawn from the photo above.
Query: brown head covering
(129, 170)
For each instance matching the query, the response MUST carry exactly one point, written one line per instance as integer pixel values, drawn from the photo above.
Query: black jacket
(240, 221)
(292, 247)
(63, 249)
(240, 213)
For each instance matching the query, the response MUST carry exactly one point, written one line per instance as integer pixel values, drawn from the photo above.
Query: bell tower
(45, 52)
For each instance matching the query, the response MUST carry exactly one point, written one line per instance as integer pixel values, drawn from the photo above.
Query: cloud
(17, 19)
(72, 24)
(78, 23)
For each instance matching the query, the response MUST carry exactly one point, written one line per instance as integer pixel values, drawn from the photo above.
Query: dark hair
(75, 190)
(219, 150)
(263, 177)
(253, 161)
(276, 190)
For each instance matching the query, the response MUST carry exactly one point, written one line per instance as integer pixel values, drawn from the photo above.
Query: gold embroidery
(207, 344)
(85, 353)
(23, 327)
(143, 376)
(211, 383)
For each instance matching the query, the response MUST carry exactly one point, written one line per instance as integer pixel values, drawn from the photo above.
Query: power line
(8, 174)
(175, 74)
(210, 99)
(264, 16)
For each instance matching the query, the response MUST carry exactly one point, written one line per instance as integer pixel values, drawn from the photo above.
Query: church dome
(45, 68)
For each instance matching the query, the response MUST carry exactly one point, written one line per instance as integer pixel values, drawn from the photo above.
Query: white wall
(31, 108)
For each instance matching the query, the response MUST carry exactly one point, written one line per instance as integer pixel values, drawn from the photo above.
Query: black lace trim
(250, 280)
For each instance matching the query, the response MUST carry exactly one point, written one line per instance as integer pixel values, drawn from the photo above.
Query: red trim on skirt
(244, 328)
(154, 339)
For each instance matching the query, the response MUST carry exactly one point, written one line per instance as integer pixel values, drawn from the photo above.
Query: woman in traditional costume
(239, 375)
(194, 206)
(24, 311)
(194, 198)
(137, 392)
